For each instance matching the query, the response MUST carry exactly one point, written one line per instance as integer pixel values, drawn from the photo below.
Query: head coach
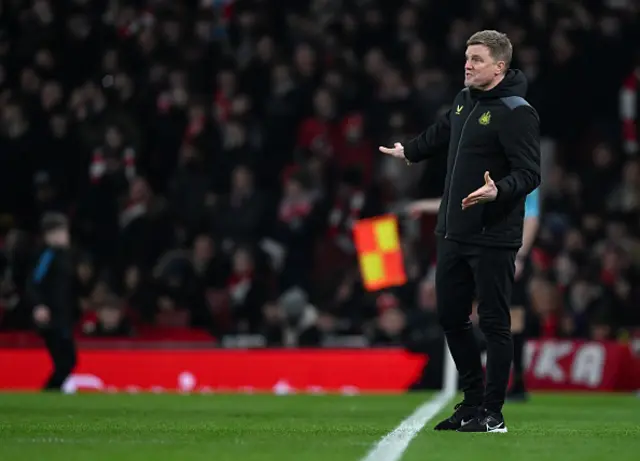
(492, 137)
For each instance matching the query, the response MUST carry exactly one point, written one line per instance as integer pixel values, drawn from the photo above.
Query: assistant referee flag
(379, 253)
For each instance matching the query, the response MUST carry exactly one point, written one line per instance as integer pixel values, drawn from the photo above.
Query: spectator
(178, 134)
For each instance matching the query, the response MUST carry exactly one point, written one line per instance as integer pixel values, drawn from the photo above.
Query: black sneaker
(486, 422)
(462, 415)
(519, 396)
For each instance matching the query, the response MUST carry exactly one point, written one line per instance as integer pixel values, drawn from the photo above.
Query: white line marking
(393, 445)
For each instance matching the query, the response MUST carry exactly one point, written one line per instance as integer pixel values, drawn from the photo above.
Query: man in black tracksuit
(492, 136)
(50, 289)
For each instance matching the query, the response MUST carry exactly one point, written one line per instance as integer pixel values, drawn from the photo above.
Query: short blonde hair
(499, 45)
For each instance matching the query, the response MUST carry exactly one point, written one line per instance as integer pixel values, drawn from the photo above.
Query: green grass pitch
(118, 427)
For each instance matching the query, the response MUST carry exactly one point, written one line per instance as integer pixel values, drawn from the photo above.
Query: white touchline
(393, 445)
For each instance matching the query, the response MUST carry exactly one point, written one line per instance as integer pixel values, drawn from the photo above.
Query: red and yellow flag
(379, 254)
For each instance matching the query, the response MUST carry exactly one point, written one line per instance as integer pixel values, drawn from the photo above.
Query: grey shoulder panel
(513, 102)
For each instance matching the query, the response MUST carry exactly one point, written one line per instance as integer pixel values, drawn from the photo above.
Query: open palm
(396, 151)
(484, 194)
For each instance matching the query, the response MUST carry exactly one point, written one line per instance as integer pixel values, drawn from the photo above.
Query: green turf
(283, 428)
(565, 427)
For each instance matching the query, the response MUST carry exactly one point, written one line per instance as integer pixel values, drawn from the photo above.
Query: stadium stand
(213, 156)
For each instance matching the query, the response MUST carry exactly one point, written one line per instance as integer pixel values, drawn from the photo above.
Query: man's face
(480, 68)
(59, 237)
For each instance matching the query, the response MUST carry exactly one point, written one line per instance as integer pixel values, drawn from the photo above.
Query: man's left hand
(519, 268)
(486, 193)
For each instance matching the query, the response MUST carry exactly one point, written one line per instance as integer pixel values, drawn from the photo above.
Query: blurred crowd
(213, 156)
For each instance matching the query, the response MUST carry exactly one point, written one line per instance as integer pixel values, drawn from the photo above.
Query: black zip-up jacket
(52, 284)
(496, 131)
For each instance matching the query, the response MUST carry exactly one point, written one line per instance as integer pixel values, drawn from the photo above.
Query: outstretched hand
(486, 193)
(396, 151)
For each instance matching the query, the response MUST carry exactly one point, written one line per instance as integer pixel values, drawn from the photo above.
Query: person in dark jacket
(493, 141)
(51, 293)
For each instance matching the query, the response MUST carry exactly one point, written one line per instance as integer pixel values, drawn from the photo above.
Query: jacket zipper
(453, 170)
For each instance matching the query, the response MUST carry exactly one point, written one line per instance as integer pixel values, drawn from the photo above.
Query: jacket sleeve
(62, 295)
(34, 294)
(430, 141)
(520, 138)
(35, 279)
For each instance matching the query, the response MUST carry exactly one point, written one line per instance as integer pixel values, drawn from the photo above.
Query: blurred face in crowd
(247, 20)
(227, 82)
(79, 26)
(392, 84)
(373, 18)
(334, 80)
(85, 271)
(12, 118)
(612, 260)
(203, 248)
(110, 61)
(631, 173)
(561, 47)
(392, 321)
(110, 315)
(139, 190)
(374, 62)
(602, 156)
(616, 231)
(529, 57)
(51, 95)
(234, 135)
(555, 180)
(157, 73)
(281, 78)
(124, 85)
(417, 53)
(397, 121)
(113, 138)
(481, 69)
(147, 41)
(241, 105)
(132, 277)
(203, 30)
(609, 26)
(29, 81)
(574, 240)
(242, 262)
(565, 269)
(305, 58)
(323, 104)
(293, 189)
(171, 31)
(265, 48)
(407, 18)
(44, 59)
(592, 225)
(273, 313)
(43, 12)
(242, 180)
(58, 125)
(58, 237)
(353, 131)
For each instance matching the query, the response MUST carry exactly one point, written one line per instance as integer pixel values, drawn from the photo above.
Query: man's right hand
(414, 210)
(41, 315)
(396, 151)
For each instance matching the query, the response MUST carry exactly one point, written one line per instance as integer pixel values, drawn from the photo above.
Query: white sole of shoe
(501, 430)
